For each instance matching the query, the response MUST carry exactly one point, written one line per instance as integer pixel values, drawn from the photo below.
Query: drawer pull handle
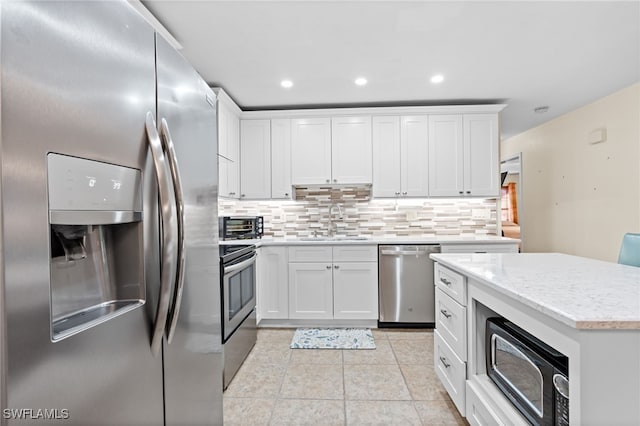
(446, 281)
(443, 360)
(445, 313)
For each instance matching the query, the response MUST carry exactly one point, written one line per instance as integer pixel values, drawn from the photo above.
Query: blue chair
(630, 250)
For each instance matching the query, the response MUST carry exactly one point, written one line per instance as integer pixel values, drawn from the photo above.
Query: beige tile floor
(395, 384)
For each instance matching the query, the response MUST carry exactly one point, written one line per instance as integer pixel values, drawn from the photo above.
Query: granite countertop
(582, 293)
(443, 239)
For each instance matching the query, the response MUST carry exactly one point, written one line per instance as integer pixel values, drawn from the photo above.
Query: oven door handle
(169, 226)
(174, 311)
(241, 265)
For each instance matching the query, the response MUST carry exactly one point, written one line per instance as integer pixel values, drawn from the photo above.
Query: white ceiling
(524, 54)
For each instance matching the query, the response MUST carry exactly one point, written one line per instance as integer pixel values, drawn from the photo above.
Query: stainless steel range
(238, 280)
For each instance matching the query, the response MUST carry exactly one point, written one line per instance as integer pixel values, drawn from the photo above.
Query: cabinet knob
(232, 193)
(328, 266)
(242, 195)
(336, 267)
(335, 180)
(468, 192)
(286, 194)
(461, 192)
(404, 193)
(398, 193)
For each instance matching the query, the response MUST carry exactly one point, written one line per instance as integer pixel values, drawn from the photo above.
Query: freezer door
(77, 79)
(193, 357)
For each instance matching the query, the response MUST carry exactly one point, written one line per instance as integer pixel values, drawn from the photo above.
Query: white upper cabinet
(445, 155)
(228, 123)
(414, 156)
(400, 156)
(351, 150)
(463, 155)
(255, 159)
(281, 158)
(386, 156)
(311, 151)
(481, 139)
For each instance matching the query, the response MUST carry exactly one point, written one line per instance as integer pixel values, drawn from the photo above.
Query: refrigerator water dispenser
(96, 245)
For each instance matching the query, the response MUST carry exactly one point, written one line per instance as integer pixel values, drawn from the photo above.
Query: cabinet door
(273, 283)
(355, 290)
(445, 156)
(255, 159)
(414, 155)
(311, 151)
(228, 175)
(386, 156)
(310, 291)
(281, 158)
(351, 150)
(223, 130)
(481, 168)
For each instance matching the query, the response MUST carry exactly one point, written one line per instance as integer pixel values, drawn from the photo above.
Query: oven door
(239, 292)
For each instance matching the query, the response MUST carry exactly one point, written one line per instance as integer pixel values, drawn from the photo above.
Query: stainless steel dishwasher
(406, 285)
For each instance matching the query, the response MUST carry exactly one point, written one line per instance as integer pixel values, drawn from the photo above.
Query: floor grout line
(268, 359)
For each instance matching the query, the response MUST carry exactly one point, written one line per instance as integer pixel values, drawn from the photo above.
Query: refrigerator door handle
(169, 227)
(167, 143)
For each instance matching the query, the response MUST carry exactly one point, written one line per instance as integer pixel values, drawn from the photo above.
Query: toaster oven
(241, 228)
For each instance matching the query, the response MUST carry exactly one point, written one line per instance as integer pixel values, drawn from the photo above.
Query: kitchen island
(587, 309)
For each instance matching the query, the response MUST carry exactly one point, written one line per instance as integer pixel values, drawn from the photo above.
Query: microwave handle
(169, 226)
(174, 311)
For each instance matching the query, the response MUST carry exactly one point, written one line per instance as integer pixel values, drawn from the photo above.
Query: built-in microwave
(241, 227)
(531, 374)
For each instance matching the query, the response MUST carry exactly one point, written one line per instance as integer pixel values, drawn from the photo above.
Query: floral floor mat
(333, 338)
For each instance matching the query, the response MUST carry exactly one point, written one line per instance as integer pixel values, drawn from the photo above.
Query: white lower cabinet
(451, 321)
(450, 336)
(339, 282)
(310, 291)
(451, 370)
(273, 283)
(478, 412)
(355, 290)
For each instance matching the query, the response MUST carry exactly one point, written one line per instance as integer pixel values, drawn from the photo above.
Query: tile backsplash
(362, 216)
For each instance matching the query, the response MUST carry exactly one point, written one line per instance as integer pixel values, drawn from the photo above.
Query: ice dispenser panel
(96, 246)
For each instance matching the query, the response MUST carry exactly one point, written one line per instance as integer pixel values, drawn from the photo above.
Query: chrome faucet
(333, 228)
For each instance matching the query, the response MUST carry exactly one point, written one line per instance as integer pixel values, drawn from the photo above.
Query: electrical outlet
(480, 213)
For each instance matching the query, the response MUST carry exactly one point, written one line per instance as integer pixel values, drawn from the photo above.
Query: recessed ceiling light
(361, 81)
(541, 109)
(438, 78)
(286, 83)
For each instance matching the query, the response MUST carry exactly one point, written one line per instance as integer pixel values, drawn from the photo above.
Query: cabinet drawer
(451, 323)
(452, 283)
(349, 253)
(451, 371)
(310, 254)
(478, 414)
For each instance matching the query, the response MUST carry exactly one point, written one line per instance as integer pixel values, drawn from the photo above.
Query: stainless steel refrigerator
(109, 281)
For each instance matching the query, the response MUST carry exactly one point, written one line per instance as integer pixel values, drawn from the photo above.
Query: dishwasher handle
(417, 252)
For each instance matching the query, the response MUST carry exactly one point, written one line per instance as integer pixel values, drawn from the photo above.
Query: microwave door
(519, 374)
